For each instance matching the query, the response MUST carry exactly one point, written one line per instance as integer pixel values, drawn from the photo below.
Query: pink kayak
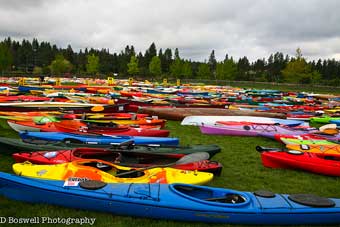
(265, 130)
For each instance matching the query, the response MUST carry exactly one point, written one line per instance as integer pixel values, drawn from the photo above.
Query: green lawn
(242, 171)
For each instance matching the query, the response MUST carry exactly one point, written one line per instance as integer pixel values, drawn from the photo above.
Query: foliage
(299, 71)
(60, 65)
(212, 61)
(204, 71)
(226, 70)
(176, 68)
(25, 55)
(5, 57)
(37, 70)
(92, 65)
(155, 66)
(133, 65)
(186, 70)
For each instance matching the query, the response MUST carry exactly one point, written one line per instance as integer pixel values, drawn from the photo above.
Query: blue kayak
(337, 122)
(95, 139)
(180, 202)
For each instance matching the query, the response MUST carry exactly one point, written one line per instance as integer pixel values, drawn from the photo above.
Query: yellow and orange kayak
(94, 169)
(316, 148)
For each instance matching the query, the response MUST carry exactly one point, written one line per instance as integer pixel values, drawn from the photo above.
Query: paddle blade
(193, 157)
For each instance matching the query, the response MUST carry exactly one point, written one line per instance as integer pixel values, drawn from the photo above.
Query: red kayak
(325, 164)
(80, 127)
(131, 159)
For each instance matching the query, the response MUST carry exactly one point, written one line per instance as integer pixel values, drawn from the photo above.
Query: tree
(60, 65)
(5, 57)
(298, 71)
(176, 68)
(226, 70)
(186, 70)
(212, 62)
(133, 65)
(243, 67)
(155, 66)
(92, 65)
(37, 70)
(166, 60)
(204, 71)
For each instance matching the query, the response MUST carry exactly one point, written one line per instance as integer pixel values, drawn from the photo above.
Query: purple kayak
(254, 130)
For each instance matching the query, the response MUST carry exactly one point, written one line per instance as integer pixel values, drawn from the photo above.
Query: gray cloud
(239, 28)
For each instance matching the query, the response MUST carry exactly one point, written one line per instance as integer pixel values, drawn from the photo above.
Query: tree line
(43, 58)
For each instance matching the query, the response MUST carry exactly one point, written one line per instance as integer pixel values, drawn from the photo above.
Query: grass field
(242, 171)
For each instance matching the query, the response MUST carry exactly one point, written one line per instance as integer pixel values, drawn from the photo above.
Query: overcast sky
(252, 28)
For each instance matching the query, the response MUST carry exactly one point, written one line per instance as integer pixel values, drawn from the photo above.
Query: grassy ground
(242, 171)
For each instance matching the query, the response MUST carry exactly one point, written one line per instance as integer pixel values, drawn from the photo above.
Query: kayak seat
(228, 198)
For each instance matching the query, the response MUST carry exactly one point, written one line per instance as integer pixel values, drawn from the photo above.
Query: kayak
(94, 138)
(131, 159)
(265, 130)
(337, 122)
(211, 120)
(75, 126)
(325, 164)
(324, 120)
(306, 141)
(155, 122)
(95, 169)
(64, 106)
(19, 145)
(181, 202)
(315, 148)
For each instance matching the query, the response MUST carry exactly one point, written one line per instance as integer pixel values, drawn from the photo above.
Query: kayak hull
(321, 164)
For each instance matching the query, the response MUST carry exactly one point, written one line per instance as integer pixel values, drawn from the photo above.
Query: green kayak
(16, 145)
(306, 142)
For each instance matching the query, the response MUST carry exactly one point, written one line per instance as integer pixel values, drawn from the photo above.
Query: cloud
(239, 28)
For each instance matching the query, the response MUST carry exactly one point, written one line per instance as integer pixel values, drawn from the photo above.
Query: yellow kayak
(94, 169)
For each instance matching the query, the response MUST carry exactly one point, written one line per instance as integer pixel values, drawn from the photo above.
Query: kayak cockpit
(111, 169)
(210, 195)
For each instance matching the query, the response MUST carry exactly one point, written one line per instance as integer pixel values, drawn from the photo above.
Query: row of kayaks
(306, 148)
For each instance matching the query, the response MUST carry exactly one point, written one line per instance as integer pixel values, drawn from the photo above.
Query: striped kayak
(181, 202)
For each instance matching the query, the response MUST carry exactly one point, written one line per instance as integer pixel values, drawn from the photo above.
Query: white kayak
(211, 120)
